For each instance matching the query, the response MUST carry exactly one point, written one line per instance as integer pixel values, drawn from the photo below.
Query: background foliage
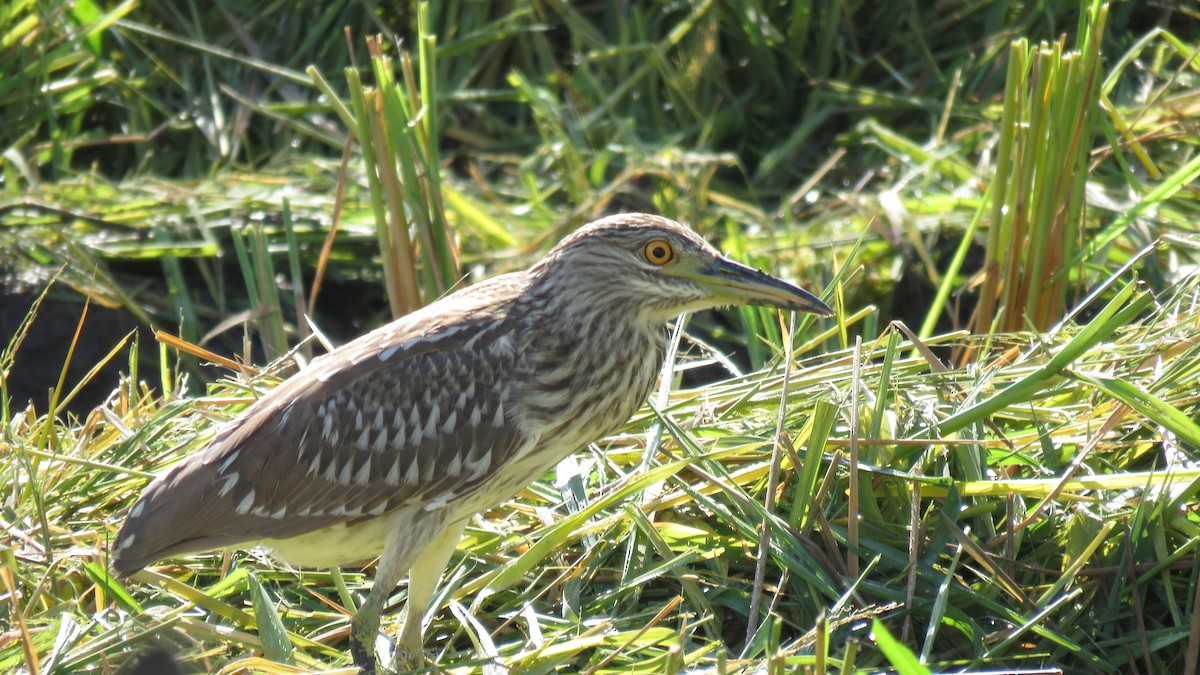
(1008, 484)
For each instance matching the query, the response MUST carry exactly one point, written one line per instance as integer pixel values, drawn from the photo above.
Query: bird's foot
(406, 659)
(364, 656)
(403, 659)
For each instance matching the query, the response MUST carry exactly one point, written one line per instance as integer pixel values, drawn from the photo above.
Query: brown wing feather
(397, 417)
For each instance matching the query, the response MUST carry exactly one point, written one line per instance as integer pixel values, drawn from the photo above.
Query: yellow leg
(364, 627)
(422, 582)
(411, 537)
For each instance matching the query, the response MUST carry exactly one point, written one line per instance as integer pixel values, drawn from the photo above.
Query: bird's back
(411, 412)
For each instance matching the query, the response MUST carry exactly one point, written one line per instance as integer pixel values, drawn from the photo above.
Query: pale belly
(419, 524)
(340, 544)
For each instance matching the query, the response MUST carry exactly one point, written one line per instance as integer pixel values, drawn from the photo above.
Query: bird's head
(660, 268)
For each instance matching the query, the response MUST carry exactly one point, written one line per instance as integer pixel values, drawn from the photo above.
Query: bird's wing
(372, 427)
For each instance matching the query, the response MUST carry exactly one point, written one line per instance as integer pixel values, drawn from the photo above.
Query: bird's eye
(659, 252)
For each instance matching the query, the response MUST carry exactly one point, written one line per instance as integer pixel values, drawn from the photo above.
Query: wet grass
(986, 462)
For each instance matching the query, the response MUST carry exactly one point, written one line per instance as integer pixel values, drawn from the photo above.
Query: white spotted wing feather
(410, 414)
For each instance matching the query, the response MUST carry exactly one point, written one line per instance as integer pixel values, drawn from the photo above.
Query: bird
(385, 447)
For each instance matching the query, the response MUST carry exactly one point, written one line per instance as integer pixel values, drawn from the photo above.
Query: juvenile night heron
(386, 446)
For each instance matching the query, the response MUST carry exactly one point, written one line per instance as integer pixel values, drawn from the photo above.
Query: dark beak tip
(822, 310)
(810, 304)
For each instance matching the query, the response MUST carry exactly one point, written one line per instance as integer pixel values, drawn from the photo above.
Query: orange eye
(659, 252)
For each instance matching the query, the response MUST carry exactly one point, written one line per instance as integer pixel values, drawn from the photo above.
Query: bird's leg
(364, 627)
(363, 630)
(422, 582)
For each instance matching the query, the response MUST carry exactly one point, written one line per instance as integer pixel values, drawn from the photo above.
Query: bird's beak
(737, 284)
